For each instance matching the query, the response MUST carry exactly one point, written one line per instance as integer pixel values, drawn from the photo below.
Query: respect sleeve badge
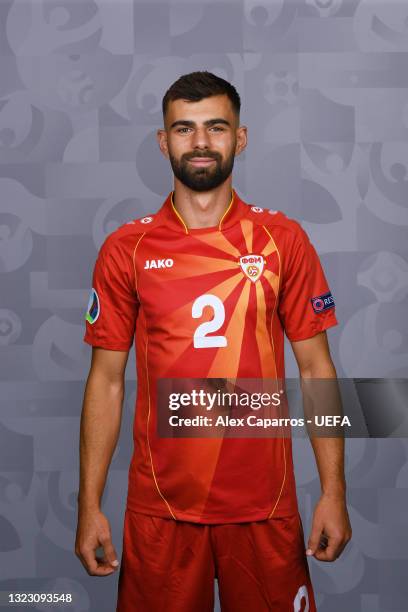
(322, 302)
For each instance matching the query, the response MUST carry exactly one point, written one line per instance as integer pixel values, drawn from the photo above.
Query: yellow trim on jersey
(228, 208)
(182, 220)
(277, 296)
(134, 264)
(178, 214)
(283, 481)
(147, 432)
(274, 359)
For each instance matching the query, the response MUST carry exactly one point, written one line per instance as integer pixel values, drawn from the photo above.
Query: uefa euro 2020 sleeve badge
(94, 308)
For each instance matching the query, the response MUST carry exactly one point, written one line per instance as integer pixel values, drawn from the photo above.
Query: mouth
(201, 161)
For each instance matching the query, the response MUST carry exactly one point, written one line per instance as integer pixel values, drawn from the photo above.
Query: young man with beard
(207, 286)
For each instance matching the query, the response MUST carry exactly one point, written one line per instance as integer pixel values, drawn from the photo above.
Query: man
(200, 508)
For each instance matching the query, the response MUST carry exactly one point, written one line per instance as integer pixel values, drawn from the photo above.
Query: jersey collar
(233, 213)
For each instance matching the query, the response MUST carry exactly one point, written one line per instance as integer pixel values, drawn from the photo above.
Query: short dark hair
(198, 85)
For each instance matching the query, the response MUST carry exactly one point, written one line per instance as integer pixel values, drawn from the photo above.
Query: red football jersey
(208, 303)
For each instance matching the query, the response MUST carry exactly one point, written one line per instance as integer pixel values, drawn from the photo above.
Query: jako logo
(158, 263)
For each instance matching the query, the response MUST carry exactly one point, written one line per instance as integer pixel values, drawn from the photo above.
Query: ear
(242, 139)
(162, 140)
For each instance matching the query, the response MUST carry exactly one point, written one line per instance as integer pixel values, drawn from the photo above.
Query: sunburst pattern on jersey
(211, 266)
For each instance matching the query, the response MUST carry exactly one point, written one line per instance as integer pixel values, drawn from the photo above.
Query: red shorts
(170, 566)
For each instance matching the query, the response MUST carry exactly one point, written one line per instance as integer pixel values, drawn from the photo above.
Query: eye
(182, 130)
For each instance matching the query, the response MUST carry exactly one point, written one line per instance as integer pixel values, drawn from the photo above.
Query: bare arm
(314, 361)
(331, 517)
(99, 431)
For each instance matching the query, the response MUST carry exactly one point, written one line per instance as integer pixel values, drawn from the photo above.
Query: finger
(102, 560)
(110, 553)
(324, 541)
(104, 563)
(93, 565)
(314, 539)
(340, 549)
(331, 552)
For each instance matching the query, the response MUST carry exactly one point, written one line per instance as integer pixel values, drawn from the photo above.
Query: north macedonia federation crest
(252, 266)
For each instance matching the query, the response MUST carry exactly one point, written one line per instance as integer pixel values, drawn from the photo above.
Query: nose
(200, 139)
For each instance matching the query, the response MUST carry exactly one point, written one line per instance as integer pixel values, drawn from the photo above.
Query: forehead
(207, 108)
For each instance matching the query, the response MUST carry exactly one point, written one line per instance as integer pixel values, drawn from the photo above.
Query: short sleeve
(113, 305)
(306, 304)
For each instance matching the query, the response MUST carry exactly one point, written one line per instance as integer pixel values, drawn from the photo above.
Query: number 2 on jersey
(301, 595)
(201, 339)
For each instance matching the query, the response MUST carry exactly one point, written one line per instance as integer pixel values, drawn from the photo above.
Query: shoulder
(276, 222)
(125, 238)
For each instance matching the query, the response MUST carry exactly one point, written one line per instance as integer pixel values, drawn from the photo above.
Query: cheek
(228, 149)
(180, 146)
(176, 149)
(223, 145)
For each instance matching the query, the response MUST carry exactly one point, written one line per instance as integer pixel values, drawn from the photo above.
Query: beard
(205, 178)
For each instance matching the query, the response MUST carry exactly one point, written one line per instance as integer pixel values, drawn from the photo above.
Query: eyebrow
(207, 123)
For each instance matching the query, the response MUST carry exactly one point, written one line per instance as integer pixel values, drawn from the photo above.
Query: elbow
(318, 369)
(109, 385)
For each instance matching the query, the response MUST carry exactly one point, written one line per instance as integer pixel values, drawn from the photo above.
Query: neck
(201, 209)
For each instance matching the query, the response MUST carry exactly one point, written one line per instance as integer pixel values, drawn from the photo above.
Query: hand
(331, 529)
(93, 531)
